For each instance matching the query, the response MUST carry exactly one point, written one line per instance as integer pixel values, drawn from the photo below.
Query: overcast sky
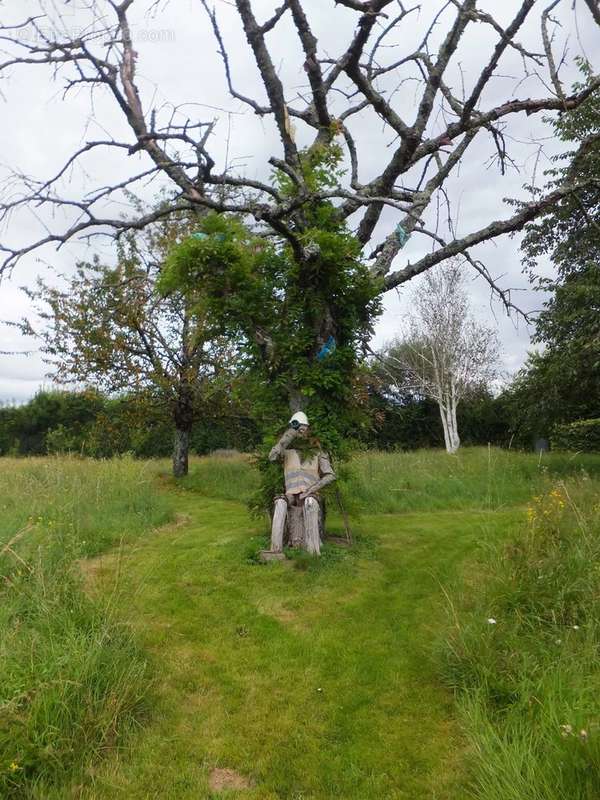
(178, 64)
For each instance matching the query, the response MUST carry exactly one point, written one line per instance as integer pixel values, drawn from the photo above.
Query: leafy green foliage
(91, 424)
(258, 293)
(65, 417)
(282, 301)
(110, 328)
(583, 435)
(564, 380)
(568, 232)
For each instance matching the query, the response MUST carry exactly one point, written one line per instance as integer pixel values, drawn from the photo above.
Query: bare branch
(271, 81)
(594, 7)
(506, 39)
(529, 212)
(270, 23)
(311, 65)
(548, 50)
(257, 107)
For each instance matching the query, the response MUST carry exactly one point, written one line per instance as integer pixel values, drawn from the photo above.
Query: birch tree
(445, 353)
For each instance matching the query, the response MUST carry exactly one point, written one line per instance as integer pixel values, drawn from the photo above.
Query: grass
(98, 503)
(318, 682)
(421, 480)
(341, 677)
(523, 657)
(72, 679)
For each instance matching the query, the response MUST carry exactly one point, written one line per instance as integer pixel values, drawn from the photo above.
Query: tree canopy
(562, 382)
(112, 329)
(359, 77)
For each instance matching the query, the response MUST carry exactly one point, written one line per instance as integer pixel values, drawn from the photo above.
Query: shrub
(583, 435)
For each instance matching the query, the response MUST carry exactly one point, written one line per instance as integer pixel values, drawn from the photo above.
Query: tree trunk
(445, 426)
(296, 401)
(181, 448)
(183, 417)
(454, 428)
(450, 426)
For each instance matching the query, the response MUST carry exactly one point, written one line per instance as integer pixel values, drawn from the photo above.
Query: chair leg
(278, 525)
(312, 512)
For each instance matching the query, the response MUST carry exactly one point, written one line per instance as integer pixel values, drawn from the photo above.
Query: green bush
(93, 424)
(583, 435)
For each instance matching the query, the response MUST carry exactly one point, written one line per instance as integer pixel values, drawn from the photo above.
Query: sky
(178, 64)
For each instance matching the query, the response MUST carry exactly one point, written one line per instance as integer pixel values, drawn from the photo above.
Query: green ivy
(277, 309)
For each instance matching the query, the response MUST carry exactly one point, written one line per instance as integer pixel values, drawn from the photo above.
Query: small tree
(445, 353)
(110, 327)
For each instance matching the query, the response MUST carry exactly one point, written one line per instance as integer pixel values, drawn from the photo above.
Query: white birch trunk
(449, 424)
(455, 436)
(444, 426)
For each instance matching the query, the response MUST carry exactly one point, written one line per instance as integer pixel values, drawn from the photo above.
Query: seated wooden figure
(297, 515)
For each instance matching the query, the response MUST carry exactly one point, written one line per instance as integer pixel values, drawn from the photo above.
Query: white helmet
(299, 417)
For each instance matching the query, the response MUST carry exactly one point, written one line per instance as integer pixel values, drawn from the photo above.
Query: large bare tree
(368, 79)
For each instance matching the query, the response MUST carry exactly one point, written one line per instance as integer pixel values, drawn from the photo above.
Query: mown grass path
(309, 683)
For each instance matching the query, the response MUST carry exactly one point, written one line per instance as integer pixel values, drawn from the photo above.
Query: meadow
(450, 653)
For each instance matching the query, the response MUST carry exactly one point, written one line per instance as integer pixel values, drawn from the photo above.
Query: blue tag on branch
(402, 235)
(199, 235)
(327, 349)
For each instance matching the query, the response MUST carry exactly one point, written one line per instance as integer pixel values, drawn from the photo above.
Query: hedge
(583, 435)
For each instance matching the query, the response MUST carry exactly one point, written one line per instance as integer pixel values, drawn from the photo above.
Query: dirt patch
(341, 541)
(95, 571)
(181, 519)
(222, 780)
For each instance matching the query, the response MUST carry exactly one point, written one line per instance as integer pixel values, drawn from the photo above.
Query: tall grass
(523, 657)
(422, 480)
(72, 680)
(476, 477)
(224, 477)
(99, 502)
